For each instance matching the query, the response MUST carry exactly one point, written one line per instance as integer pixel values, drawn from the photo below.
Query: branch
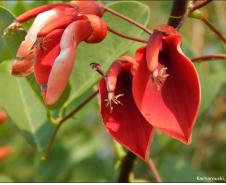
(209, 57)
(126, 167)
(126, 36)
(128, 20)
(177, 12)
(209, 24)
(52, 139)
(200, 4)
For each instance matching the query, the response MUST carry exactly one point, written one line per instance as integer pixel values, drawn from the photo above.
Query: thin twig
(126, 167)
(209, 57)
(211, 26)
(53, 136)
(126, 36)
(128, 20)
(154, 170)
(200, 4)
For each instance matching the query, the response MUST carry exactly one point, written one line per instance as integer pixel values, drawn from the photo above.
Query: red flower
(56, 55)
(120, 115)
(166, 85)
(23, 65)
(50, 44)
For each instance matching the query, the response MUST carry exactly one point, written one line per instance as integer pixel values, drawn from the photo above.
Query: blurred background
(83, 152)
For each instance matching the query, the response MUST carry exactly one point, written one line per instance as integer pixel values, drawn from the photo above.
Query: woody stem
(209, 57)
(126, 167)
(61, 121)
(212, 27)
(126, 36)
(178, 11)
(128, 20)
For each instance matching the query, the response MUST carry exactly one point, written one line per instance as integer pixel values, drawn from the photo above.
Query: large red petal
(125, 123)
(174, 108)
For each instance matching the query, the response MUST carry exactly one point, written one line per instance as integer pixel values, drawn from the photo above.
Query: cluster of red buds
(158, 88)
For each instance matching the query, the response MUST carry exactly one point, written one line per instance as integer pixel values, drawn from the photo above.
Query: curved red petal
(174, 108)
(153, 49)
(63, 65)
(45, 57)
(40, 21)
(58, 23)
(125, 123)
(34, 12)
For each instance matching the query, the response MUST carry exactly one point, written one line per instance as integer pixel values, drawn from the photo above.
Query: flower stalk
(61, 121)
(126, 36)
(128, 20)
(212, 27)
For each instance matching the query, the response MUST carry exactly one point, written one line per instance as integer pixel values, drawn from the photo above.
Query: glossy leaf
(24, 108)
(8, 43)
(211, 83)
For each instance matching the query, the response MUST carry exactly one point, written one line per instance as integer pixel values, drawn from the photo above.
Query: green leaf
(211, 83)
(83, 77)
(8, 43)
(24, 108)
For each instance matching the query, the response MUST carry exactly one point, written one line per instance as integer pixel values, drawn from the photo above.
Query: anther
(39, 43)
(159, 77)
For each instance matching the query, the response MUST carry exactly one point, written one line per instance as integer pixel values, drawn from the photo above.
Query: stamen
(112, 99)
(39, 43)
(159, 77)
(97, 67)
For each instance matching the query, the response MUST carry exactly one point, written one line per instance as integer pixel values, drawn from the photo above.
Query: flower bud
(5, 151)
(3, 116)
(88, 7)
(99, 29)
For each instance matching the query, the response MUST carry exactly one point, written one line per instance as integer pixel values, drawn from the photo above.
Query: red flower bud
(88, 7)
(99, 28)
(5, 151)
(3, 116)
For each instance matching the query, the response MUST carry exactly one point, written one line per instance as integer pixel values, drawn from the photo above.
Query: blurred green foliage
(83, 152)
